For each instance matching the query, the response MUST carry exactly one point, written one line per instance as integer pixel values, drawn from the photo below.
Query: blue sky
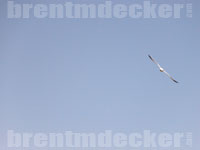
(94, 75)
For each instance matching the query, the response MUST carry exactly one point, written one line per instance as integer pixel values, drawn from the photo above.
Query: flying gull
(162, 70)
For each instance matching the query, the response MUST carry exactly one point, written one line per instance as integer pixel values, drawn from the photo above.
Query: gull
(162, 70)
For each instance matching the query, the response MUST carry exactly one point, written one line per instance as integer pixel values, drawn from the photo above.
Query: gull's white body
(162, 70)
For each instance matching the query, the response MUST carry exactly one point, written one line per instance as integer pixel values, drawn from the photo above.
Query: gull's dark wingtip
(150, 56)
(175, 81)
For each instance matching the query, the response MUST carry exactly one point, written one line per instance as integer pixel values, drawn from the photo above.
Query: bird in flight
(162, 70)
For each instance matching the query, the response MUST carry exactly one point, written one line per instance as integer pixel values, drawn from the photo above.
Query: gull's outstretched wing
(154, 61)
(170, 77)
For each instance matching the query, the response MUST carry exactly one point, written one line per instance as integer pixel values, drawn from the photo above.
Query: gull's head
(161, 70)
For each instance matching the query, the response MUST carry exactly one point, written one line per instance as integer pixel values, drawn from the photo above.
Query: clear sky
(95, 75)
